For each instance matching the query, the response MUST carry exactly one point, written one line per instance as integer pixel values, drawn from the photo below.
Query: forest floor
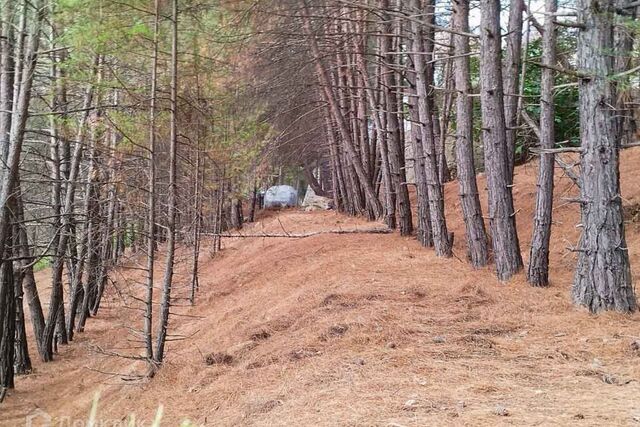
(361, 329)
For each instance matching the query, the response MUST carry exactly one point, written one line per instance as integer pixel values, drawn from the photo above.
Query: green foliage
(213, 111)
(42, 263)
(567, 120)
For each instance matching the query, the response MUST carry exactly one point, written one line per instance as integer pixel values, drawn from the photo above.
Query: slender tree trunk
(441, 239)
(445, 115)
(513, 59)
(336, 172)
(7, 73)
(165, 306)
(423, 230)
(624, 39)
(476, 235)
(151, 201)
(389, 207)
(92, 223)
(538, 272)
(254, 199)
(394, 141)
(197, 224)
(108, 225)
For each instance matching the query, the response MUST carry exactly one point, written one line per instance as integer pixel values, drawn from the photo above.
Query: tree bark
(441, 241)
(26, 275)
(603, 274)
(20, 111)
(513, 60)
(165, 305)
(538, 271)
(476, 235)
(423, 230)
(151, 186)
(7, 321)
(395, 142)
(22, 363)
(506, 247)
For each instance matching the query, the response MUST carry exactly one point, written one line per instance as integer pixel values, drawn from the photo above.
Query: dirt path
(363, 330)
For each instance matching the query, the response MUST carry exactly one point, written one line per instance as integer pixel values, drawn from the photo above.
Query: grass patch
(42, 263)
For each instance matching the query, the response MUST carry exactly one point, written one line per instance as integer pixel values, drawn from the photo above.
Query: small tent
(281, 196)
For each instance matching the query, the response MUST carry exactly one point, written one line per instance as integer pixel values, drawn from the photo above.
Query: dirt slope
(362, 330)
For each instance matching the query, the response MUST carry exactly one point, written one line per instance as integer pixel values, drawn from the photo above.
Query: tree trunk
(236, 213)
(513, 59)
(165, 306)
(423, 231)
(22, 364)
(151, 186)
(307, 170)
(506, 247)
(441, 240)
(395, 141)
(476, 235)
(603, 274)
(624, 39)
(27, 277)
(12, 145)
(538, 272)
(92, 224)
(7, 321)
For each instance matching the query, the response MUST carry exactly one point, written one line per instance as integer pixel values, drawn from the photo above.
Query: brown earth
(360, 329)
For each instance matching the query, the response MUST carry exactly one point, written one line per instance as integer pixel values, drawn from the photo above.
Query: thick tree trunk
(476, 235)
(603, 274)
(506, 247)
(22, 364)
(7, 321)
(538, 271)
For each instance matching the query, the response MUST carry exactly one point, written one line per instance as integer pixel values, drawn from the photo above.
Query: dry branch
(303, 235)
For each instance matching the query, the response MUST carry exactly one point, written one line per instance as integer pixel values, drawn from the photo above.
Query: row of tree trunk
(388, 75)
